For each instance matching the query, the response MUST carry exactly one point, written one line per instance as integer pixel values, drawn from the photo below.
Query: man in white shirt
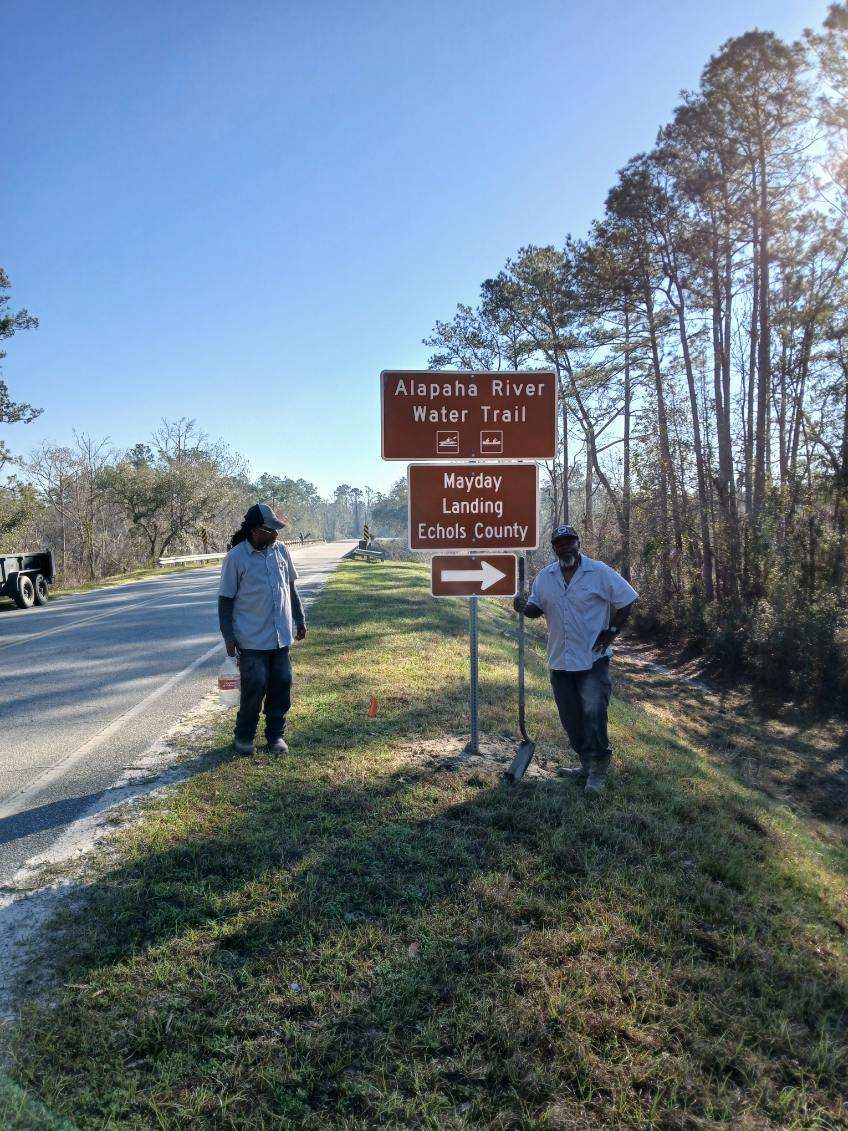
(586, 604)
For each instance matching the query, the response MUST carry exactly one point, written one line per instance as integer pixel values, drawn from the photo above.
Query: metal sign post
(473, 746)
(526, 747)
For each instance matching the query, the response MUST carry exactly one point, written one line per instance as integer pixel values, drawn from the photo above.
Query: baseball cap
(260, 514)
(564, 532)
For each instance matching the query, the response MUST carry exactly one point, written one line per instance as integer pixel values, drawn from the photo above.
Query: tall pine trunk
(669, 478)
(626, 490)
(763, 348)
(564, 413)
(752, 361)
(700, 464)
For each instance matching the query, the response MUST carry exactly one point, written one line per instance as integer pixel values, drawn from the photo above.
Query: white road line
(77, 623)
(19, 802)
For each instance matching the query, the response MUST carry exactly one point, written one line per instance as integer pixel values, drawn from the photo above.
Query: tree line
(699, 336)
(103, 511)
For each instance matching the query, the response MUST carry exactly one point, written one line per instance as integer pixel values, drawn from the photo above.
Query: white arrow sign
(487, 575)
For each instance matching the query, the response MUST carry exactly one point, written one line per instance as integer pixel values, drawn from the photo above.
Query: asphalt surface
(89, 682)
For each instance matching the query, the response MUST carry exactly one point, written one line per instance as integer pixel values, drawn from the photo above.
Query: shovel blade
(520, 762)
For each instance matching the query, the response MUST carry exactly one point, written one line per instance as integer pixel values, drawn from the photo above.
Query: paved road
(87, 683)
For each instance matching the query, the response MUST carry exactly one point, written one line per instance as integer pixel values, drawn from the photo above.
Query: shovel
(526, 748)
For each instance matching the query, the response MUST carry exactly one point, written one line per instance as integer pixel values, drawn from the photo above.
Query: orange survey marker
(373, 707)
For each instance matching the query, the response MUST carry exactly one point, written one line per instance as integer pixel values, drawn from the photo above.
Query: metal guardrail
(368, 555)
(220, 556)
(190, 558)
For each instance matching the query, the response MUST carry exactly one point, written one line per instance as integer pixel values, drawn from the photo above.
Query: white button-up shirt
(577, 612)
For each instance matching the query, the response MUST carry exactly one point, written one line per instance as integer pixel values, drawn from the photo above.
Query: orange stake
(373, 707)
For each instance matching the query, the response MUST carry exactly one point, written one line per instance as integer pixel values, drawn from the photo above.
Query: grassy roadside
(363, 934)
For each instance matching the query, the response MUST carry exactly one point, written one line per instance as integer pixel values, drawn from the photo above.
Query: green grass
(21, 1113)
(351, 937)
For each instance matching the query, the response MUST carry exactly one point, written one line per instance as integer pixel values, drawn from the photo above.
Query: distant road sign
(473, 506)
(459, 415)
(457, 575)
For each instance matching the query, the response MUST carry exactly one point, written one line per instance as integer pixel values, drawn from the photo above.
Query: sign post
(473, 746)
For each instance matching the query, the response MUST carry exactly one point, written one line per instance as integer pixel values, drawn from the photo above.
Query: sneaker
(242, 747)
(278, 746)
(596, 781)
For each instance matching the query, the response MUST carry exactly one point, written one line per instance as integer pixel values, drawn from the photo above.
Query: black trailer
(26, 577)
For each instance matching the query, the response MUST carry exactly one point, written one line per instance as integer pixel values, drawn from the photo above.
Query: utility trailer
(26, 577)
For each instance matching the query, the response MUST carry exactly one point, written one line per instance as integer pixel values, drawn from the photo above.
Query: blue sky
(242, 212)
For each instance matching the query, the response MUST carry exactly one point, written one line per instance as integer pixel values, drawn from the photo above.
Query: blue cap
(564, 532)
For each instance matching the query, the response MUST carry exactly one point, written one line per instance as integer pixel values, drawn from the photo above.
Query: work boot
(278, 746)
(573, 773)
(597, 779)
(242, 747)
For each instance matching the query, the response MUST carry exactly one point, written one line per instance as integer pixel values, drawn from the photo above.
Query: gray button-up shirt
(259, 581)
(577, 612)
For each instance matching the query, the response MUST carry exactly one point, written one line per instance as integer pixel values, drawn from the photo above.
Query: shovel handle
(522, 727)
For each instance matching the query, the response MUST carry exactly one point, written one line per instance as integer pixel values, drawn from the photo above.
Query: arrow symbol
(487, 575)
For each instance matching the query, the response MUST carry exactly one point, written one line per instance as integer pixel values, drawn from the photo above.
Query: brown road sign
(458, 575)
(473, 506)
(457, 415)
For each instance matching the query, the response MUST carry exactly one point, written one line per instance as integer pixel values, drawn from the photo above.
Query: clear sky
(241, 212)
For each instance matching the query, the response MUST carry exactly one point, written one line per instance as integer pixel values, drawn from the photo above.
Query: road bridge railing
(217, 557)
(191, 558)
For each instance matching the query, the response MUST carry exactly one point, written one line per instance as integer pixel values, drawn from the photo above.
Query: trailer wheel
(25, 596)
(41, 593)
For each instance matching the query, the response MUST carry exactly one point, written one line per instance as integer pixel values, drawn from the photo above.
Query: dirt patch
(450, 755)
(687, 669)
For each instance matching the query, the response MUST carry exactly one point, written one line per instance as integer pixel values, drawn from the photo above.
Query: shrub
(726, 628)
(793, 645)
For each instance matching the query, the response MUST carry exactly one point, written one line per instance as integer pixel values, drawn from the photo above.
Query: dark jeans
(582, 699)
(268, 676)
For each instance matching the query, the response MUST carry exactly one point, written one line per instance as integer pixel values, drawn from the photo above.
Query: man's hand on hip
(604, 640)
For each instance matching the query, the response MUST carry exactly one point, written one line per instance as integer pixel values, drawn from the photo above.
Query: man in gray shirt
(260, 615)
